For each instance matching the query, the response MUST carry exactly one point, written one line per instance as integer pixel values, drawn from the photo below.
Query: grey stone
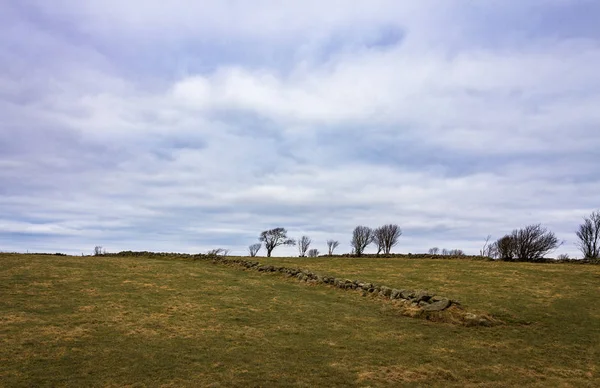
(422, 296)
(385, 291)
(438, 305)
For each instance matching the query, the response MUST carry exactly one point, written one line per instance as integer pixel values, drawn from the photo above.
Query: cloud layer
(185, 127)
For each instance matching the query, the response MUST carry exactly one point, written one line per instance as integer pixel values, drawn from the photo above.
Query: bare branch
(331, 245)
(253, 249)
(362, 236)
(218, 252)
(303, 245)
(530, 243)
(386, 237)
(589, 236)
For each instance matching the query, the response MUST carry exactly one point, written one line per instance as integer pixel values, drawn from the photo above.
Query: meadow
(135, 321)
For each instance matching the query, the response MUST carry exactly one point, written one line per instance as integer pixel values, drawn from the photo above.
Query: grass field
(109, 321)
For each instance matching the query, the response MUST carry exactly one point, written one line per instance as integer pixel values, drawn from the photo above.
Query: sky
(186, 125)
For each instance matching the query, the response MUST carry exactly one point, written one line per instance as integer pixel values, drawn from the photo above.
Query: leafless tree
(506, 248)
(534, 241)
(218, 252)
(274, 238)
(530, 243)
(331, 245)
(489, 249)
(313, 252)
(303, 245)
(589, 236)
(434, 251)
(378, 239)
(97, 250)
(386, 237)
(254, 248)
(456, 252)
(445, 252)
(362, 236)
(563, 256)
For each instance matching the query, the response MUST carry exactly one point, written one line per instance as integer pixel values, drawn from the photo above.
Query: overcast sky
(187, 125)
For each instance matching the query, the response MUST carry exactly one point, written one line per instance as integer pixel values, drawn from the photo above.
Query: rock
(407, 294)
(475, 320)
(422, 296)
(385, 291)
(395, 294)
(438, 305)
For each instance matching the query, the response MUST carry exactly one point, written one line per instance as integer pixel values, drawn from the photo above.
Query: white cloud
(451, 141)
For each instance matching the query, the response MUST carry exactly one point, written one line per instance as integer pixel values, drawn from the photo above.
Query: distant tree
(274, 238)
(563, 256)
(456, 252)
(331, 245)
(313, 253)
(303, 245)
(533, 242)
(253, 249)
(445, 252)
(489, 249)
(386, 237)
(434, 251)
(506, 248)
(378, 239)
(530, 243)
(362, 236)
(218, 252)
(589, 236)
(97, 250)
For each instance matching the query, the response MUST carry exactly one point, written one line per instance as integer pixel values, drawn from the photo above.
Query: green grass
(93, 321)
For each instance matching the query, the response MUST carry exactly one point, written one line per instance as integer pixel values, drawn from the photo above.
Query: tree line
(533, 242)
(530, 243)
(384, 237)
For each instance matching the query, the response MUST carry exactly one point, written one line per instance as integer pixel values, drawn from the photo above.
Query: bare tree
(489, 250)
(303, 245)
(378, 239)
(434, 251)
(97, 250)
(456, 252)
(530, 243)
(589, 236)
(218, 252)
(386, 237)
(274, 238)
(445, 252)
(362, 236)
(533, 242)
(331, 245)
(313, 252)
(563, 256)
(253, 249)
(506, 248)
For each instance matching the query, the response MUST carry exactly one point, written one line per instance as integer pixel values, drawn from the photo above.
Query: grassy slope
(116, 321)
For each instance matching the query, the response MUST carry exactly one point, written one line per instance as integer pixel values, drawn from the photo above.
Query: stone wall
(423, 300)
